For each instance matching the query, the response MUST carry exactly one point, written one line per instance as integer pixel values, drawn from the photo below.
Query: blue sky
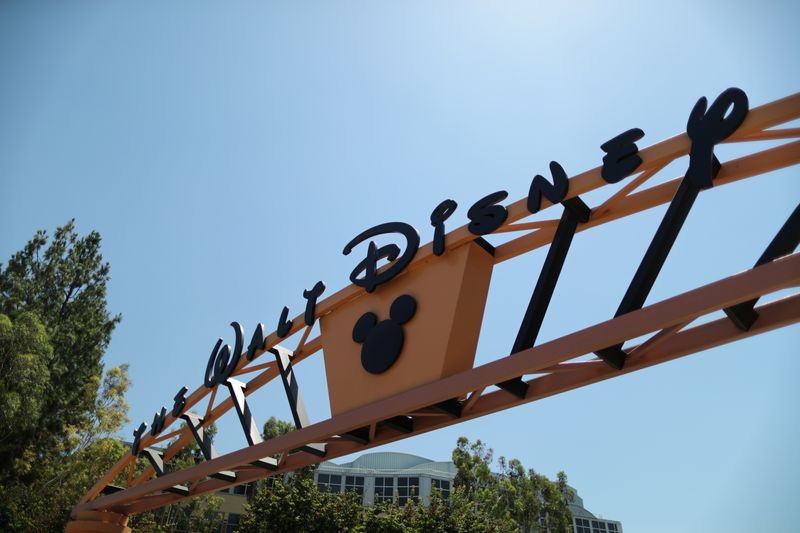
(227, 152)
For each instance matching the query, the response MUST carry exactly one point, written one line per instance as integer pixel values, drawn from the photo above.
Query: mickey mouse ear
(363, 326)
(403, 308)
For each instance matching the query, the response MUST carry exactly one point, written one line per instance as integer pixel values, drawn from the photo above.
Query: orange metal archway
(453, 391)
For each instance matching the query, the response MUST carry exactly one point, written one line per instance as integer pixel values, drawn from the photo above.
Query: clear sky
(226, 151)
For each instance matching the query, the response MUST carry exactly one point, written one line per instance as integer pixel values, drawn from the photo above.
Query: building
(387, 476)
(397, 477)
(585, 522)
(233, 500)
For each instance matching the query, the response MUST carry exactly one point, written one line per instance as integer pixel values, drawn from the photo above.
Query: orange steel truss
(548, 368)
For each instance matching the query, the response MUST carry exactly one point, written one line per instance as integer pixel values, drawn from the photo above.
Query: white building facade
(400, 477)
(391, 476)
(387, 476)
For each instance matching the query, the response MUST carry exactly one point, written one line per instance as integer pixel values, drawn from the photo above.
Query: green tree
(54, 483)
(275, 428)
(293, 504)
(386, 517)
(64, 285)
(479, 486)
(58, 411)
(531, 501)
(473, 462)
(25, 356)
(482, 500)
(470, 514)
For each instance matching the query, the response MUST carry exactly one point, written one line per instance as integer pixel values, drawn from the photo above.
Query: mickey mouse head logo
(382, 341)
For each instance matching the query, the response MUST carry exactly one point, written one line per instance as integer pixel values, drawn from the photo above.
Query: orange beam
(780, 274)
(772, 316)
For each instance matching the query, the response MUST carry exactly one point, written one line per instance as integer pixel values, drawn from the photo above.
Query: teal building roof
(394, 462)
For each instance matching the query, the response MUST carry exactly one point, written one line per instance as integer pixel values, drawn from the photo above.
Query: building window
(384, 489)
(443, 486)
(355, 484)
(582, 526)
(599, 526)
(240, 489)
(612, 528)
(231, 523)
(329, 483)
(407, 488)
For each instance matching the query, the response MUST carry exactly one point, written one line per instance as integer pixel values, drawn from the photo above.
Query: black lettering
(283, 357)
(705, 130)
(156, 460)
(708, 128)
(158, 421)
(137, 438)
(222, 362)
(622, 156)
(311, 303)
(391, 252)
(575, 212)
(485, 215)
(284, 325)
(540, 186)
(441, 213)
(180, 402)
(743, 315)
(251, 433)
(256, 342)
(203, 439)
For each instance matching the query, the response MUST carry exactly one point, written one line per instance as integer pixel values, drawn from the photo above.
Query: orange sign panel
(438, 340)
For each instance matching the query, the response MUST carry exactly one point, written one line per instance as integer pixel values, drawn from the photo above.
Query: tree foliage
(275, 428)
(510, 500)
(295, 504)
(63, 285)
(25, 355)
(49, 485)
(57, 410)
(532, 501)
